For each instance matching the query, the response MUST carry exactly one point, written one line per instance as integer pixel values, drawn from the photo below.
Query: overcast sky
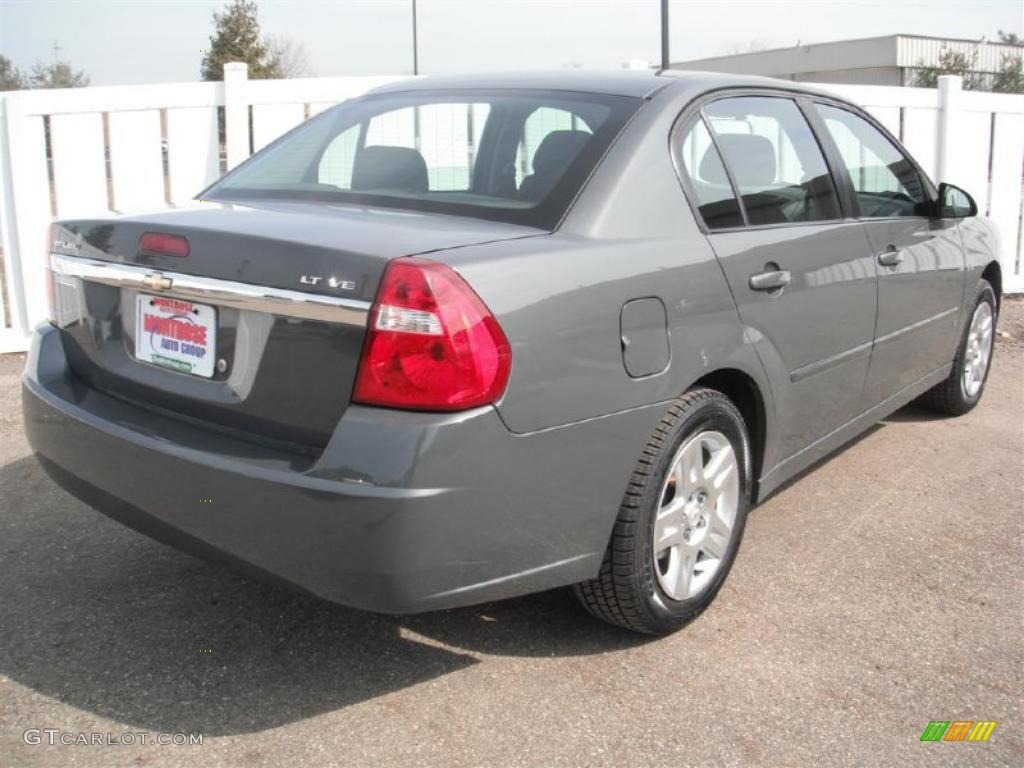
(119, 41)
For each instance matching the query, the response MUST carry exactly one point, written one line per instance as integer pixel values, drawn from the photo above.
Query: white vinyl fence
(86, 151)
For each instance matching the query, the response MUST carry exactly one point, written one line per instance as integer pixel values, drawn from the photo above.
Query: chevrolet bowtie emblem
(157, 282)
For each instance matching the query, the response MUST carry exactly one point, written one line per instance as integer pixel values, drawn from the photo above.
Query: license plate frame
(176, 334)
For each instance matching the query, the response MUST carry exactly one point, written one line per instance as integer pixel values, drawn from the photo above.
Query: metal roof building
(890, 60)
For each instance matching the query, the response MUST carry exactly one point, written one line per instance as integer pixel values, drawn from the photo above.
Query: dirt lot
(883, 590)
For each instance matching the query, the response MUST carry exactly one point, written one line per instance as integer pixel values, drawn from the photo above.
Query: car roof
(636, 83)
(615, 82)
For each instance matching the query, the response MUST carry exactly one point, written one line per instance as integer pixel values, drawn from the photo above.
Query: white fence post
(236, 112)
(9, 277)
(25, 217)
(950, 88)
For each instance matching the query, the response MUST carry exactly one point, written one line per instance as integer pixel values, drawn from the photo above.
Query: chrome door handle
(890, 257)
(771, 280)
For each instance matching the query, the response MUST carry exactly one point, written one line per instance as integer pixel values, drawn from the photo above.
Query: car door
(920, 259)
(802, 277)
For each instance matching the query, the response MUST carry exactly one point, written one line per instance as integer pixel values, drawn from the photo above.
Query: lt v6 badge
(333, 282)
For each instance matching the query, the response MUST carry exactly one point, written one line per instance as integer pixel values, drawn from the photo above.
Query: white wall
(782, 62)
(890, 53)
(915, 50)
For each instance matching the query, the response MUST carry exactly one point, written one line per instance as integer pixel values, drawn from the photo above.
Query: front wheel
(680, 522)
(963, 389)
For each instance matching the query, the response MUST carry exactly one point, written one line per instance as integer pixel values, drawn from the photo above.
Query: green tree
(1010, 77)
(236, 37)
(60, 74)
(11, 78)
(951, 63)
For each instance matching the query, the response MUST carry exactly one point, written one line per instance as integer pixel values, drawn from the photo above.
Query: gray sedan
(468, 338)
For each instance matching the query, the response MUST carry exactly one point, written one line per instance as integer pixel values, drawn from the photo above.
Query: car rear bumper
(402, 512)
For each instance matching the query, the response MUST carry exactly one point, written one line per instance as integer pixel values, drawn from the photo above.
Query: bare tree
(60, 74)
(291, 56)
(751, 46)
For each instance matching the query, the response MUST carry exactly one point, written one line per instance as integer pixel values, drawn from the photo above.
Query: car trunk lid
(259, 329)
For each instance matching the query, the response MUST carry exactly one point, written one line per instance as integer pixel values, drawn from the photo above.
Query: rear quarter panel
(559, 301)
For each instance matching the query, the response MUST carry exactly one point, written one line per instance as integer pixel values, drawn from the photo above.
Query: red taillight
(432, 344)
(163, 244)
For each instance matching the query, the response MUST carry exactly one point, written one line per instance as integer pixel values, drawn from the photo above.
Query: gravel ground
(880, 591)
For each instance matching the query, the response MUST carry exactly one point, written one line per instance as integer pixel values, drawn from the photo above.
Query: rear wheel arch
(670, 500)
(746, 395)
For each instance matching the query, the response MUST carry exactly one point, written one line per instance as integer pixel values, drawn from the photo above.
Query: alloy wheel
(978, 351)
(694, 524)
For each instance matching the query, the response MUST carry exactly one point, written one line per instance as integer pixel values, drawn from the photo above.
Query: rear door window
(886, 183)
(774, 160)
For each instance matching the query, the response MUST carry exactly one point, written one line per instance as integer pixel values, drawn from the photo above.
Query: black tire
(626, 591)
(950, 397)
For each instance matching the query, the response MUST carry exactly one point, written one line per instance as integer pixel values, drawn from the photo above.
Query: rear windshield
(514, 156)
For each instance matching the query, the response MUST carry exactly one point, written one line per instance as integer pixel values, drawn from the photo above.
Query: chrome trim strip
(915, 326)
(855, 352)
(226, 293)
(812, 369)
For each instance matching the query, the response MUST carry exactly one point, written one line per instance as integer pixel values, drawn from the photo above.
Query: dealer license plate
(176, 334)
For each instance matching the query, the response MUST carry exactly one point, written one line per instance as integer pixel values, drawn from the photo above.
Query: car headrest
(751, 158)
(557, 151)
(399, 169)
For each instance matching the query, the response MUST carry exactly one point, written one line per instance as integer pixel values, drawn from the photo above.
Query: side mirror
(955, 203)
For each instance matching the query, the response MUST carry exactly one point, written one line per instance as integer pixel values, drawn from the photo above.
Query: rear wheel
(681, 520)
(962, 390)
